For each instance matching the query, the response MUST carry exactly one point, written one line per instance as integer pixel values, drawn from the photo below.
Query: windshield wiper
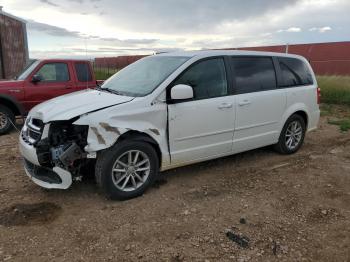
(98, 87)
(113, 91)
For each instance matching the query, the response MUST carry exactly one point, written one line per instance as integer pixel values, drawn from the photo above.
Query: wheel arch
(134, 135)
(280, 146)
(299, 109)
(304, 115)
(12, 104)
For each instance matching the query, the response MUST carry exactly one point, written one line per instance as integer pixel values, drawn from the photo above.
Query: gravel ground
(284, 208)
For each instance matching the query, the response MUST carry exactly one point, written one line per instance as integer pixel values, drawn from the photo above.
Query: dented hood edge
(76, 104)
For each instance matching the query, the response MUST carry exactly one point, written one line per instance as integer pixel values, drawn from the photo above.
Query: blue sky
(76, 28)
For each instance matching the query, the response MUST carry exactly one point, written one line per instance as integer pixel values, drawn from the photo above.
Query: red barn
(13, 45)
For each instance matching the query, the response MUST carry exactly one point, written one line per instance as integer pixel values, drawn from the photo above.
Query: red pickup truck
(40, 81)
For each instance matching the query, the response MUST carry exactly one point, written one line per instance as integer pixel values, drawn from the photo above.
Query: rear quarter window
(294, 72)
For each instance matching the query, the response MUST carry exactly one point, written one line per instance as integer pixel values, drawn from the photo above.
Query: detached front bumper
(55, 178)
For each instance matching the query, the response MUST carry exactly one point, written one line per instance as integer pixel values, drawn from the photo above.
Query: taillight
(318, 95)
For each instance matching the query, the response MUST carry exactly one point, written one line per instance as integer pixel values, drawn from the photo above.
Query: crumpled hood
(11, 83)
(75, 104)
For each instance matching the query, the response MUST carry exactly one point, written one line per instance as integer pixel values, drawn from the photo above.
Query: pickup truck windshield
(26, 72)
(143, 76)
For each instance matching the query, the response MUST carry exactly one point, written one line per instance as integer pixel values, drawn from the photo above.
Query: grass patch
(344, 124)
(326, 109)
(104, 73)
(334, 89)
(337, 115)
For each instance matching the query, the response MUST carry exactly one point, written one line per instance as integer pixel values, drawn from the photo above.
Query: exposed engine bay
(63, 147)
(62, 141)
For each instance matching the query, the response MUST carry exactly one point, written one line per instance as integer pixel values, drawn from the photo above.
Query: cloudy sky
(114, 27)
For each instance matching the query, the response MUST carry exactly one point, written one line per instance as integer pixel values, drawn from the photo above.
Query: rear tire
(292, 135)
(7, 117)
(123, 177)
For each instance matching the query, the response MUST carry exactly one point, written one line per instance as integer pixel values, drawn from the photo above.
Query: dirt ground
(291, 208)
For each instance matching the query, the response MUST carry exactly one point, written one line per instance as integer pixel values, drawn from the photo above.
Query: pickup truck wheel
(127, 169)
(6, 117)
(292, 135)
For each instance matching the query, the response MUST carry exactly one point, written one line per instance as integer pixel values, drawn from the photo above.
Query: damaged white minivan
(170, 110)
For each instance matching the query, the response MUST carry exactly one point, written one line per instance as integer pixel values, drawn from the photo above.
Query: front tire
(7, 119)
(127, 169)
(292, 135)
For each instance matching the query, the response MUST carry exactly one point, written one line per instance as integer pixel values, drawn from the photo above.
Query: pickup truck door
(202, 128)
(56, 80)
(83, 75)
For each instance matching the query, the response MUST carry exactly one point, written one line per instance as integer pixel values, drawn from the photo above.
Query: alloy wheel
(3, 120)
(131, 170)
(294, 134)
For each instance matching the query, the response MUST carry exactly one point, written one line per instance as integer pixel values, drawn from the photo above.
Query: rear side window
(83, 72)
(54, 72)
(294, 72)
(207, 78)
(254, 74)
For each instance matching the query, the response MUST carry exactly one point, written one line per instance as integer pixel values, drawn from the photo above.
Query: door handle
(225, 105)
(244, 103)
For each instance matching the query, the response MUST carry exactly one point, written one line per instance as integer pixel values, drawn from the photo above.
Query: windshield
(143, 76)
(26, 72)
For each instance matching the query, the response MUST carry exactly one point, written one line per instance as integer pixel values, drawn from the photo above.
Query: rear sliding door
(260, 104)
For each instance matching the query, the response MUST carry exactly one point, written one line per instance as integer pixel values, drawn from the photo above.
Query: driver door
(202, 128)
(55, 81)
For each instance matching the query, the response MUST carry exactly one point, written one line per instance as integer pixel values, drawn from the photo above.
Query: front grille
(34, 135)
(32, 131)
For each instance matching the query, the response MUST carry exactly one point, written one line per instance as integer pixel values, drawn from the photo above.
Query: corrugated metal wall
(325, 58)
(116, 62)
(13, 46)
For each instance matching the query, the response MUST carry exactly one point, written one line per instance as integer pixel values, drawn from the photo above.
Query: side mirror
(181, 92)
(36, 78)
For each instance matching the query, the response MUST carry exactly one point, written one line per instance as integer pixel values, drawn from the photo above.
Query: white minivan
(170, 110)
